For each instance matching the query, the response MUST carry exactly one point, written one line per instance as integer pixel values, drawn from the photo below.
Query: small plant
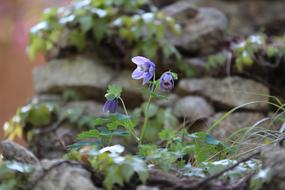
(255, 49)
(34, 114)
(12, 174)
(146, 71)
(109, 161)
(135, 27)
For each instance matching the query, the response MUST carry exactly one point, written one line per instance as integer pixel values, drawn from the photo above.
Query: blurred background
(244, 18)
(16, 18)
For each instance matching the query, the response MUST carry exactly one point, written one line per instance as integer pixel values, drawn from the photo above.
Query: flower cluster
(146, 71)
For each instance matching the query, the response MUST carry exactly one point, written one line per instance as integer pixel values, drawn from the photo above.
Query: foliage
(255, 49)
(130, 26)
(201, 147)
(9, 180)
(212, 168)
(35, 114)
(159, 118)
(113, 92)
(215, 61)
(116, 168)
(261, 177)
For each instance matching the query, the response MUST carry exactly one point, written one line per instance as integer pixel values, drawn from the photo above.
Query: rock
(144, 187)
(87, 77)
(131, 88)
(202, 29)
(273, 158)
(85, 107)
(193, 108)
(163, 3)
(199, 66)
(272, 20)
(13, 151)
(234, 122)
(52, 144)
(227, 93)
(61, 175)
(168, 102)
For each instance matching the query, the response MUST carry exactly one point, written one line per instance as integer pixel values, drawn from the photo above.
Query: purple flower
(110, 106)
(166, 81)
(145, 69)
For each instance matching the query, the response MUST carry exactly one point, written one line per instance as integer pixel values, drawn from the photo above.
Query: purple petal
(113, 106)
(139, 60)
(106, 106)
(166, 81)
(137, 74)
(147, 77)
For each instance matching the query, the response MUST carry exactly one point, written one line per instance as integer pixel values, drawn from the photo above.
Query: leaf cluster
(9, 178)
(109, 161)
(34, 114)
(129, 26)
(255, 49)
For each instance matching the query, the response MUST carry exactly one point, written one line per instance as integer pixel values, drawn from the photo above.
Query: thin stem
(145, 119)
(132, 131)
(153, 88)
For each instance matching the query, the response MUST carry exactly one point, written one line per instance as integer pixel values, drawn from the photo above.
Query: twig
(202, 183)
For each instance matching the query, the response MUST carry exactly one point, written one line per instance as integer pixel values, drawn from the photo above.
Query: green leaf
(86, 22)
(94, 133)
(167, 134)
(127, 171)
(121, 133)
(77, 38)
(79, 145)
(263, 176)
(37, 115)
(114, 90)
(140, 168)
(211, 140)
(113, 177)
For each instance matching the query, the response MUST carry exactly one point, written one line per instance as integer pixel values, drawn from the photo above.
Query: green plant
(255, 49)
(127, 26)
(34, 114)
(109, 161)
(9, 174)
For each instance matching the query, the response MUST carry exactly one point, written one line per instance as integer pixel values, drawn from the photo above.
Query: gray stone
(87, 77)
(202, 28)
(51, 143)
(168, 102)
(234, 122)
(144, 187)
(13, 151)
(85, 107)
(199, 65)
(131, 88)
(61, 175)
(273, 158)
(193, 108)
(227, 93)
(239, 12)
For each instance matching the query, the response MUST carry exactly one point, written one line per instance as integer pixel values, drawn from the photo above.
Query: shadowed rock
(228, 93)
(193, 108)
(202, 28)
(13, 151)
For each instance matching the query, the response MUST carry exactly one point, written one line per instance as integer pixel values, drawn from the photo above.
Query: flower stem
(145, 119)
(131, 130)
(153, 88)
